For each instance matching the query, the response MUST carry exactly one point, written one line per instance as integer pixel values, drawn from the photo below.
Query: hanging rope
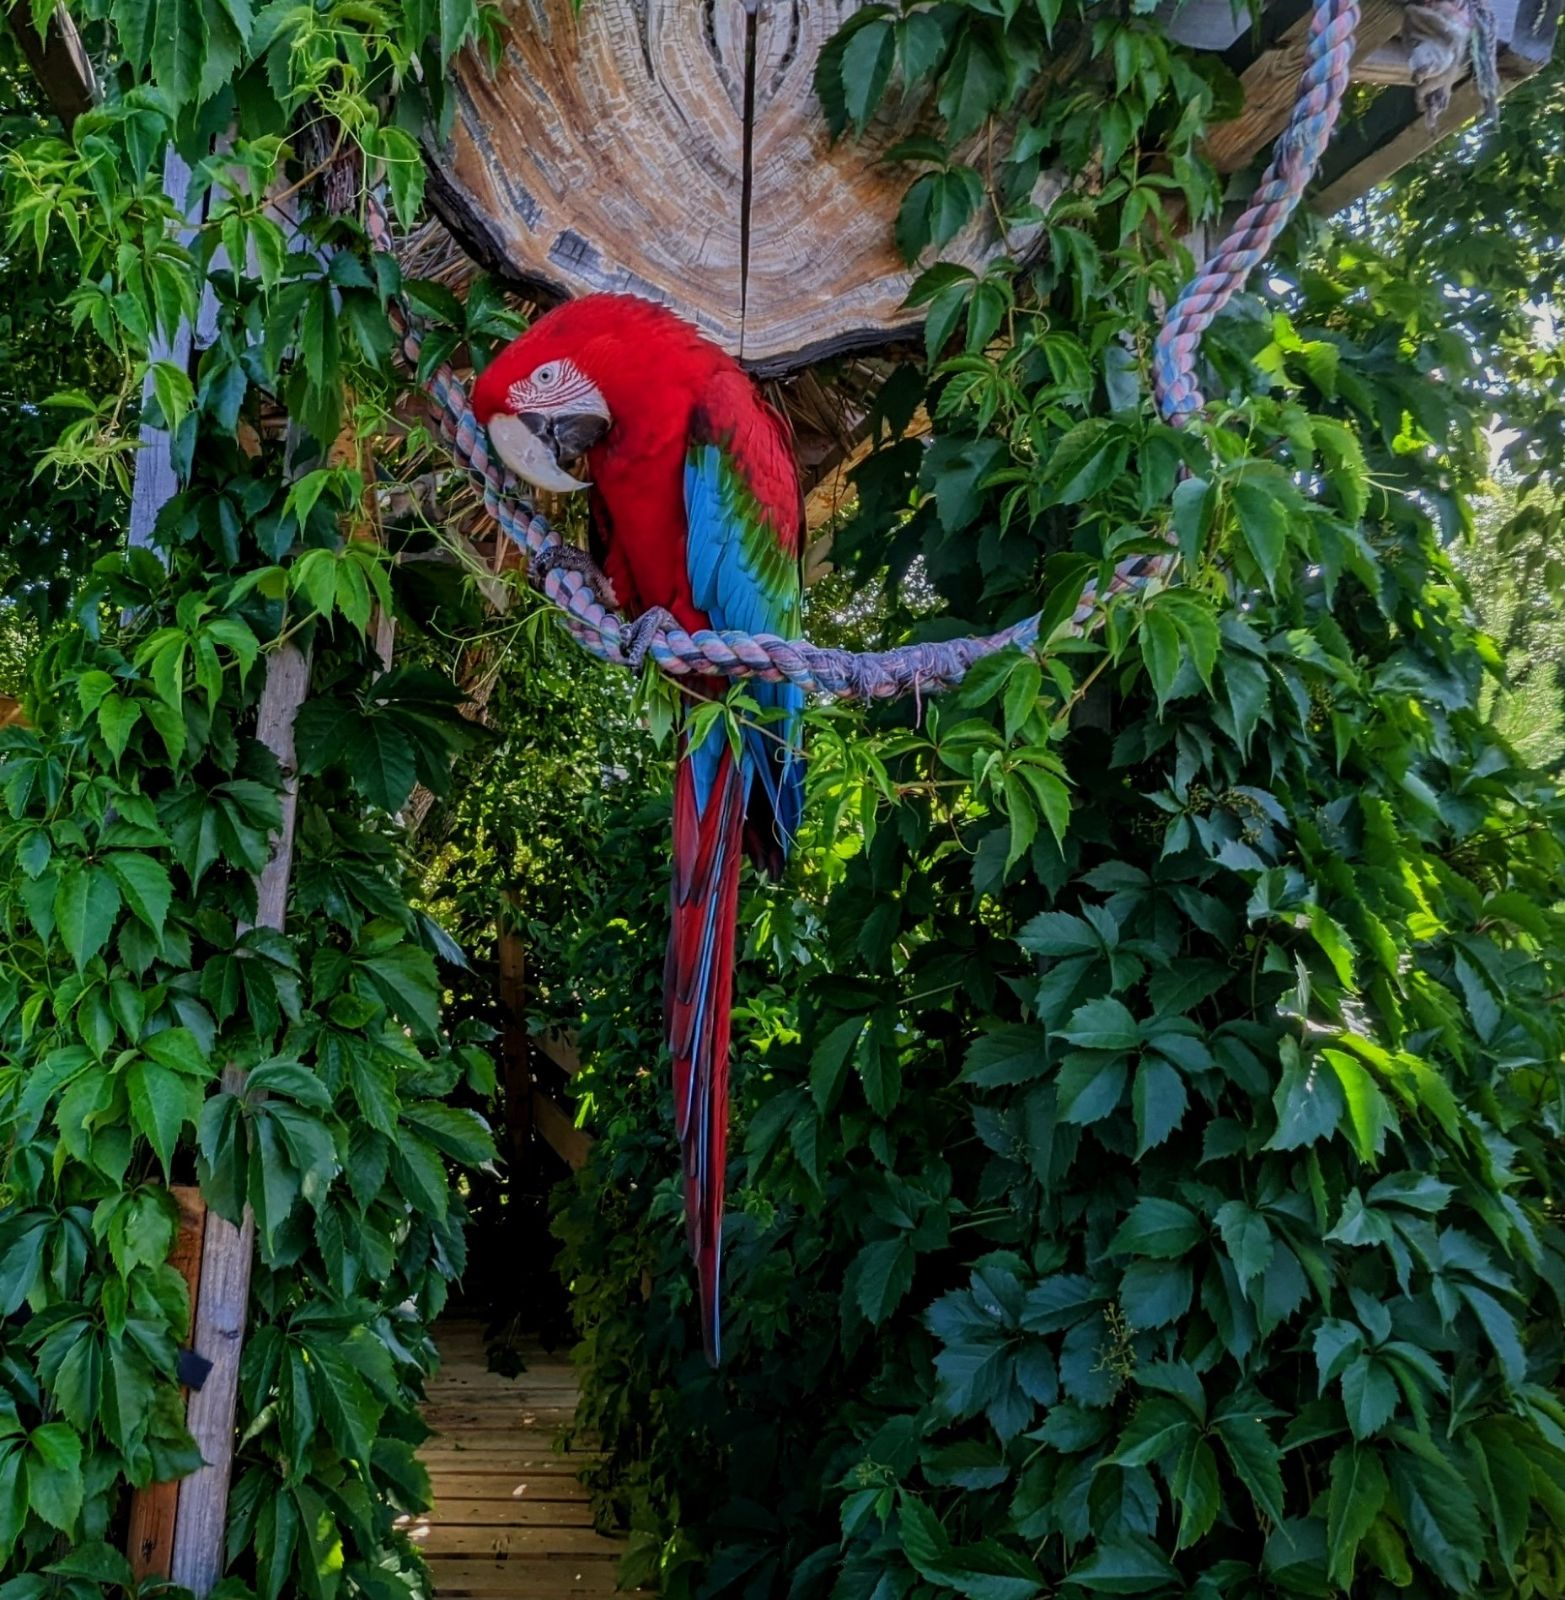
(1328, 54)
(924, 668)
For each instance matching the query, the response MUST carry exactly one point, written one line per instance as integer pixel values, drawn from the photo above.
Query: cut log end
(677, 150)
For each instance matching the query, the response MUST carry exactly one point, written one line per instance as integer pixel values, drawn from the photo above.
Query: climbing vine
(155, 1027)
(1148, 1189)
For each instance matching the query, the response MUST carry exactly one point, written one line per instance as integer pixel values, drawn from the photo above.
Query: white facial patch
(557, 388)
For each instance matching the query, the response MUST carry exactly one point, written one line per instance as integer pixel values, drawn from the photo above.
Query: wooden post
(517, 1076)
(150, 1544)
(227, 1252)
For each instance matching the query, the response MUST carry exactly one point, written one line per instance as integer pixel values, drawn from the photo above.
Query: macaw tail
(709, 807)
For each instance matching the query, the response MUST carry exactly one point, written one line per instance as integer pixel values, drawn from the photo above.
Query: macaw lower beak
(534, 444)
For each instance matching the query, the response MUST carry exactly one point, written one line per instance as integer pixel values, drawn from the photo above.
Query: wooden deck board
(510, 1518)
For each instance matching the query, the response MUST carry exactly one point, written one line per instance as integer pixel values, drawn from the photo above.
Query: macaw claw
(640, 634)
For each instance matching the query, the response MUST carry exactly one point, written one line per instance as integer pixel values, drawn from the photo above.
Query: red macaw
(695, 512)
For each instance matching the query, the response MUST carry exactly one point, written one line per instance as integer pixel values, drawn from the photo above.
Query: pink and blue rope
(1295, 157)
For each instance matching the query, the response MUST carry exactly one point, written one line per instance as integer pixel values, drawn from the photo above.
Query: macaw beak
(534, 444)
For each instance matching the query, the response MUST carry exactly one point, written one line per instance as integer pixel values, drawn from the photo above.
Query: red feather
(655, 373)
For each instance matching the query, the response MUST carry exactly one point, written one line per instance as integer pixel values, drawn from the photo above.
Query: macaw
(696, 514)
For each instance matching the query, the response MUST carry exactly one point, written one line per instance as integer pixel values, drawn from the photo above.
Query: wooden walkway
(510, 1519)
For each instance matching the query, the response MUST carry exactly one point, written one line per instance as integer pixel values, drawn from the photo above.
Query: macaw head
(580, 376)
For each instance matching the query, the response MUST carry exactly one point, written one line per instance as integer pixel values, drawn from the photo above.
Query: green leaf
(1248, 1238)
(829, 1061)
(1153, 1294)
(867, 61)
(1368, 1113)
(1369, 1394)
(881, 1276)
(972, 86)
(1090, 1085)
(1129, 1564)
(1358, 1491)
(1255, 1460)
(1086, 461)
(161, 1102)
(1158, 1097)
(145, 884)
(1010, 1054)
(1161, 1229)
(458, 19)
(1159, 641)
(1263, 520)
(1196, 1491)
(179, 46)
(1309, 1105)
(54, 1474)
(1158, 1427)
(1102, 1025)
(1437, 1510)
(85, 906)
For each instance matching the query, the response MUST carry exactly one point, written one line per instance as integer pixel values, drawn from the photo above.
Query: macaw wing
(745, 524)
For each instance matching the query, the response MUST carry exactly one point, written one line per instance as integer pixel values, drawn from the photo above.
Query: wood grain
(609, 152)
(228, 1252)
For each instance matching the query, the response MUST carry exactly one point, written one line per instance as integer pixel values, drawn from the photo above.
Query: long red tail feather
(698, 985)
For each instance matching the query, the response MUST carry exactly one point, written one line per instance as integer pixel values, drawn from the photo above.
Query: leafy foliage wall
(136, 810)
(1151, 1095)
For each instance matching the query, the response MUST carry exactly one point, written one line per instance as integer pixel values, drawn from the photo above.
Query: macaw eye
(546, 375)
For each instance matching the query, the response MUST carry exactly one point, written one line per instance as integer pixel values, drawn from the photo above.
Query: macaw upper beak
(533, 445)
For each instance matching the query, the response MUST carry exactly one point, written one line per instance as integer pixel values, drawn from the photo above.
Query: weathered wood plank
(520, 1578)
(470, 1484)
(530, 1444)
(59, 62)
(562, 1135)
(515, 1062)
(510, 1518)
(227, 1252)
(434, 1537)
(452, 1511)
(1348, 175)
(452, 1419)
(1271, 85)
(560, 1048)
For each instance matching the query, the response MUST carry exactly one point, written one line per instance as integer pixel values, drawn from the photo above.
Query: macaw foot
(571, 559)
(639, 635)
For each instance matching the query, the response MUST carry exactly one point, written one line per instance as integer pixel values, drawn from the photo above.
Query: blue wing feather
(742, 578)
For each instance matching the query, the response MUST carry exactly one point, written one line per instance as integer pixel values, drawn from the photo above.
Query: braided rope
(1327, 57)
(1484, 47)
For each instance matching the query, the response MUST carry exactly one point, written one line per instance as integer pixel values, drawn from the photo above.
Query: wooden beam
(560, 1048)
(149, 1544)
(59, 63)
(228, 1252)
(1415, 137)
(570, 1143)
(1271, 85)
